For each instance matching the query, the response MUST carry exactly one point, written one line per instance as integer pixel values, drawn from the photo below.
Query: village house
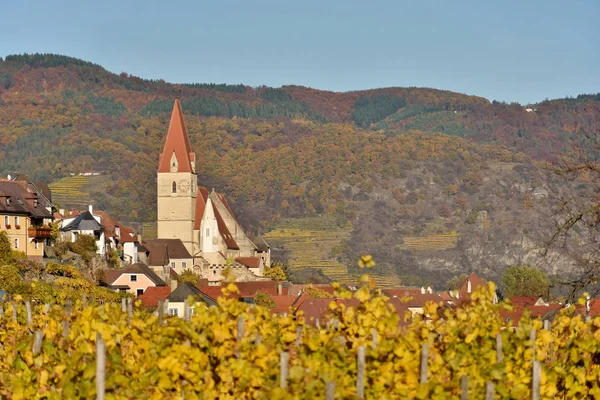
(203, 220)
(164, 255)
(24, 218)
(134, 279)
(180, 294)
(110, 234)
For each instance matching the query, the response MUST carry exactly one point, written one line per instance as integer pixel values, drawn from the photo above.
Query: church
(202, 219)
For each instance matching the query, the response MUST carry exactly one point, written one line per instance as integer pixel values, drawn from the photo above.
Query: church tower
(177, 184)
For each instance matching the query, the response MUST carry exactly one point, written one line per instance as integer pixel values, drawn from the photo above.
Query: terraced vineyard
(431, 243)
(67, 191)
(310, 241)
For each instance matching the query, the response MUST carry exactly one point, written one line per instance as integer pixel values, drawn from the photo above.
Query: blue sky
(506, 50)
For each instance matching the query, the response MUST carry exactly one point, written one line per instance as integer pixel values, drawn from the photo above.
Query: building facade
(202, 220)
(24, 218)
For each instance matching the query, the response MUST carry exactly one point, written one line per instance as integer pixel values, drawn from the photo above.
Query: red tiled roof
(401, 292)
(524, 300)
(446, 296)
(153, 294)
(282, 303)
(250, 262)
(296, 289)
(269, 287)
(214, 292)
(419, 300)
(476, 282)
(177, 142)
(111, 275)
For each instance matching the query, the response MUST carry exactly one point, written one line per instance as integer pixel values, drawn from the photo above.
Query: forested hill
(411, 175)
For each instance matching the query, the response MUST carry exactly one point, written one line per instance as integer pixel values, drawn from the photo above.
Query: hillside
(432, 183)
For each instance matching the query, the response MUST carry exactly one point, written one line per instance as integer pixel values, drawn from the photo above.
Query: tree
(263, 299)
(275, 273)
(5, 249)
(317, 293)
(525, 281)
(188, 276)
(577, 216)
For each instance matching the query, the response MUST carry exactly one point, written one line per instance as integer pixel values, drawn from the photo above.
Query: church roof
(229, 240)
(178, 143)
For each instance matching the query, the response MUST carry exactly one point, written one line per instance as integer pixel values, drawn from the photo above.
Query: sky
(523, 51)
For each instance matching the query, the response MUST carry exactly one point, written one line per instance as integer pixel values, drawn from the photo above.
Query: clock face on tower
(184, 186)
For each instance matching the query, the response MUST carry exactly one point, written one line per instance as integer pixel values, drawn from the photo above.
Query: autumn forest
(430, 182)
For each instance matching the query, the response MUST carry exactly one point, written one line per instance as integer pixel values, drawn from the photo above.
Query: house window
(6, 220)
(35, 244)
(133, 278)
(183, 264)
(207, 232)
(173, 264)
(174, 187)
(174, 312)
(16, 243)
(139, 292)
(16, 220)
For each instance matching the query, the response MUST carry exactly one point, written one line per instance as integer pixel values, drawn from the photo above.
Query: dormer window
(174, 187)
(174, 163)
(35, 202)
(7, 202)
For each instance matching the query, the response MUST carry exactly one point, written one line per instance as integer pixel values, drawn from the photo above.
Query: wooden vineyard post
(100, 367)
(240, 329)
(14, 311)
(29, 317)
(490, 391)
(532, 335)
(330, 390)
(37, 342)
(424, 360)
(65, 329)
(464, 388)
(84, 300)
(161, 311)
(186, 311)
(298, 335)
(129, 310)
(374, 337)
(258, 340)
(284, 360)
(68, 309)
(535, 382)
(123, 305)
(499, 348)
(547, 324)
(360, 376)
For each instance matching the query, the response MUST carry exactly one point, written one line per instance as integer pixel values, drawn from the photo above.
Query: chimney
(173, 285)
(90, 209)
(279, 288)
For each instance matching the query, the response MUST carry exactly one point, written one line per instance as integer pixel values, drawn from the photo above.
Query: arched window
(174, 187)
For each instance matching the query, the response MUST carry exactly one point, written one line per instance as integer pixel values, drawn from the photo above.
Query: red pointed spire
(177, 142)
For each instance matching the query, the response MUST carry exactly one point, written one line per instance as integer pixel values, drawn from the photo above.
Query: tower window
(174, 187)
